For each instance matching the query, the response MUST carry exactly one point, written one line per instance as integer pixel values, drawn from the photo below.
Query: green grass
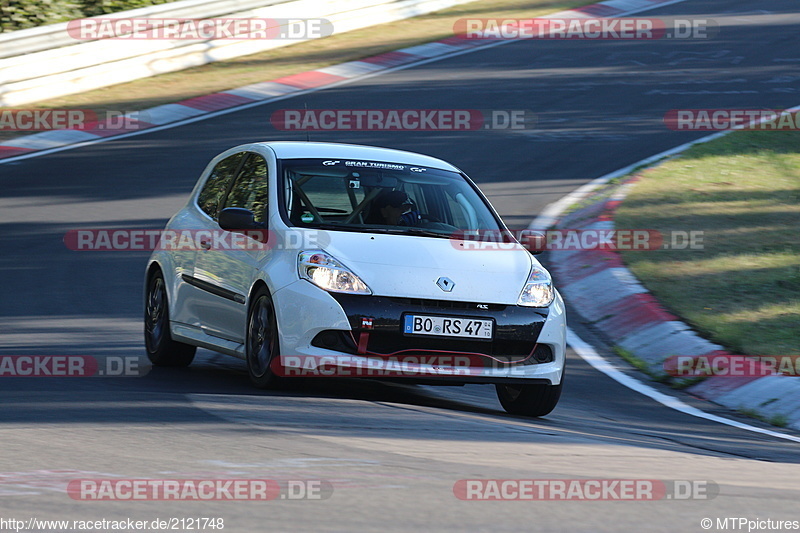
(776, 420)
(641, 365)
(742, 289)
(632, 359)
(779, 420)
(685, 383)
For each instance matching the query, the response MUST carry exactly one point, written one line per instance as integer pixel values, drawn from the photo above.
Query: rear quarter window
(217, 183)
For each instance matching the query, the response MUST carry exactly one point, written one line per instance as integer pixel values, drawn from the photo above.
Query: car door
(193, 219)
(226, 270)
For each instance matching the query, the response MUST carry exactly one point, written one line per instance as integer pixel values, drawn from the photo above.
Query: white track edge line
(588, 354)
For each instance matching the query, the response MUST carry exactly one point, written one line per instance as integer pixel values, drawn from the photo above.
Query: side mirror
(533, 241)
(238, 219)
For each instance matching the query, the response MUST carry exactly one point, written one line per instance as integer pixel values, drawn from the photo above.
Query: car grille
(384, 343)
(447, 304)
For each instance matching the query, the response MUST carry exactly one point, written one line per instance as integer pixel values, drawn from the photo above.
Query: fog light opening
(543, 354)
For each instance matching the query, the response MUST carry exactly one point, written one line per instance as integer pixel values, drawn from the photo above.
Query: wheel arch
(163, 261)
(257, 285)
(152, 267)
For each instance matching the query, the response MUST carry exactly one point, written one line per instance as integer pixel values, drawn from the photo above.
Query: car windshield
(381, 197)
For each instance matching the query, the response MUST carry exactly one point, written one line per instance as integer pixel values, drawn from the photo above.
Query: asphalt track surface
(392, 452)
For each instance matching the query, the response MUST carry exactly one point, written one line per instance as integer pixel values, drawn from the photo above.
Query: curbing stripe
(164, 114)
(215, 102)
(622, 5)
(391, 59)
(49, 139)
(770, 396)
(351, 69)
(599, 10)
(584, 264)
(632, 314)
(309, 80)
(714, 387)
(53, 138)
(570, 14)
(463, 42)
(595, 293)
(430, 49)
(12, 151)
(661, 340)
(104, 129)
(264, 90)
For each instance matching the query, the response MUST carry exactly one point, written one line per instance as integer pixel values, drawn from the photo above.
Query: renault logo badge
(446, 284)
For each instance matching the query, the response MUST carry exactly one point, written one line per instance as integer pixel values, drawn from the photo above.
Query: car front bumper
(342, 335)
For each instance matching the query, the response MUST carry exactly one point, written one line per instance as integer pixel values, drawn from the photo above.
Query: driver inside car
(393, 208)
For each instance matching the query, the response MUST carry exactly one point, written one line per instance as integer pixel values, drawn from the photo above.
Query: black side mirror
(238, 219)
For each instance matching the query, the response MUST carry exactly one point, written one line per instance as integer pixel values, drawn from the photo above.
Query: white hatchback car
(325, 259)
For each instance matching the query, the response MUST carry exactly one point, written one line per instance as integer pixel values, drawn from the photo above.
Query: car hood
(410, 266)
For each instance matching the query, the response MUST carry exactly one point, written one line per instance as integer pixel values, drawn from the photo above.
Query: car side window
(250, 188)
(217, 183)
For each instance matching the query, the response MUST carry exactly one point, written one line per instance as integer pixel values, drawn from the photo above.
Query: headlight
(327, 273)
(538, 290)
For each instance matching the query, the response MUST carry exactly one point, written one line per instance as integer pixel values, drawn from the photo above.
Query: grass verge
(776, 420)
(742, 288)
(640, 364)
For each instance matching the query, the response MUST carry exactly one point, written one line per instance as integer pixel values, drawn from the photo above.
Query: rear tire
(161, 349)
(529, 400)
(262, 345)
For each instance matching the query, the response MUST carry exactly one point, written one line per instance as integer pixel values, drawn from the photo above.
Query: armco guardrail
(48, 62)
(55, 35)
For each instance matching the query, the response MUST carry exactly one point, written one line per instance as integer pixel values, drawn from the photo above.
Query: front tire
(161, 349)
(262, 344)
(529, 400)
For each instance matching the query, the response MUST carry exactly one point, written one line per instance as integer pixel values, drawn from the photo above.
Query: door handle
(205, 245)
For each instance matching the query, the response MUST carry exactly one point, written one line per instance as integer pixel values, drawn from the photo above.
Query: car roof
(327, 150)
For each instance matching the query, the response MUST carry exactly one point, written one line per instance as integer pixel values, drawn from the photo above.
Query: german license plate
(446, 326)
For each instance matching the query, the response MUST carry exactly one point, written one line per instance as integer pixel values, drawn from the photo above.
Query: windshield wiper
(400, 230)
(332, 226)
(411, 230)
(425, 232)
